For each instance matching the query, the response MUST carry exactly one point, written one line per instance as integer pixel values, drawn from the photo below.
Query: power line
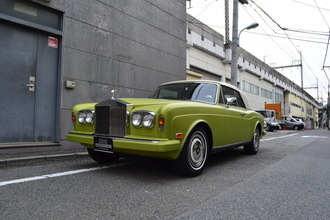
(279, 46)
(312, 6)
(325, 20)
(326, 51)
(195, 17)
(284, 30)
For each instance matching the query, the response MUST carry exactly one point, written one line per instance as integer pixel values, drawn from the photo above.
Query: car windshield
(204, 92)
(266, 114)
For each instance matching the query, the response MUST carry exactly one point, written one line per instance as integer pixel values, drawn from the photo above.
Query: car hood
(137, 102)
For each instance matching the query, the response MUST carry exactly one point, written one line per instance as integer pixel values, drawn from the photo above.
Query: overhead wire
(327, 48)
(195, 17)
(281, 28)
(283, 51)
(288, 37)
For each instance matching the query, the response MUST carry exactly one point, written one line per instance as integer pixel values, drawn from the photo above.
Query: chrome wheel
(253, 147)
(197, 150)
(194, 154)
(256, 140)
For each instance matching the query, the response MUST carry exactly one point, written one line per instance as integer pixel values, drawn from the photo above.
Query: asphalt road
(288, 179)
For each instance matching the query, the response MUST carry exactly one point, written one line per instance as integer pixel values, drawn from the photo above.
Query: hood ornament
(113, 94)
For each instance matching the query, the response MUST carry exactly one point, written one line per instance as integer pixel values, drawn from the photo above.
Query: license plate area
(103, 144)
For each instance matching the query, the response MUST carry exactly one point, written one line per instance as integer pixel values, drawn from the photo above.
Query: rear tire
(194, 154)
(253, 147)
(101, 157)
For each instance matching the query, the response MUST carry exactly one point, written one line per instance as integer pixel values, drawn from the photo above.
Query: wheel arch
(207, 129)
(259, 127)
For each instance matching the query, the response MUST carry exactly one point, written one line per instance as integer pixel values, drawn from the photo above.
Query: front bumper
(159, 148)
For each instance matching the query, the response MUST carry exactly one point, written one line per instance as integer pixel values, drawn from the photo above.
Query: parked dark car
(270, 120)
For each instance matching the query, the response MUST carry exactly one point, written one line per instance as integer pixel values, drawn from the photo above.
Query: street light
(251, 26)
(234, 47)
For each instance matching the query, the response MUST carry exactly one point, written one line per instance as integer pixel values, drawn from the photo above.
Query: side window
(229, 96)
(240, 102)
(232, 97)
(205, 93)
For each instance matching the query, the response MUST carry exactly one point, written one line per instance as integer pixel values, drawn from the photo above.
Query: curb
(34, 159)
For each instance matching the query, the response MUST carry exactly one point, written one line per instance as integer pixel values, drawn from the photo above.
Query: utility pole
(301, 71)
(234, 44)
(226, 22)
(301, 75)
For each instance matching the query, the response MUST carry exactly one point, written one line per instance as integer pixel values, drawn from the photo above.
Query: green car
(183, 121)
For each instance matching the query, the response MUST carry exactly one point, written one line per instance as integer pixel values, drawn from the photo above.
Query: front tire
(102, 157)
(193, 157)
(253, 147)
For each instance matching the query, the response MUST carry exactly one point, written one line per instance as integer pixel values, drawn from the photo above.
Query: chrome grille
(110, 118)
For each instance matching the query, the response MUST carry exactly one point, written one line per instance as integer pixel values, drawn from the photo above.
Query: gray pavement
(296, 187)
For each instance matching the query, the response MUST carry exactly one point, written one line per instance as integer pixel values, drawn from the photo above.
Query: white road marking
(72, 172)
(314, 137)
(273, 138)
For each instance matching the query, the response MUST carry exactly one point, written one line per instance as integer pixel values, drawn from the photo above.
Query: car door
(289, 123)
(236, 117)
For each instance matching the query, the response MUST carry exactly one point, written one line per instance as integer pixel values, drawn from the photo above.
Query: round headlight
(81, 117)
(148, 120)
(89, 117)
(136, 119)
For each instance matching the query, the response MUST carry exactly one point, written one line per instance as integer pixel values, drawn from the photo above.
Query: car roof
(247, 105)
(203, 81)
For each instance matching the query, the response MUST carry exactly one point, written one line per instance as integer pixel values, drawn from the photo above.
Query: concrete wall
(128, 45)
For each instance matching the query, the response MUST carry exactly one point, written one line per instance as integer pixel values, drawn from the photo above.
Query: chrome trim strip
(118, 138)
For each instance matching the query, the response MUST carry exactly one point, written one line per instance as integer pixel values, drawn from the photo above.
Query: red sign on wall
(52, 42)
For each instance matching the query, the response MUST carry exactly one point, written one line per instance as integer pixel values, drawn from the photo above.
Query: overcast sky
(308, 24)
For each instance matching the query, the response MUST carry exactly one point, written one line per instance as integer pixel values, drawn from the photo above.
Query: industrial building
(56, 53)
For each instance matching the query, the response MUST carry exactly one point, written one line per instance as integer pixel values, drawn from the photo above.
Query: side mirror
(231, 101)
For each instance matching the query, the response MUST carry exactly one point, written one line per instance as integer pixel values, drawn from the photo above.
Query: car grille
(110, 118)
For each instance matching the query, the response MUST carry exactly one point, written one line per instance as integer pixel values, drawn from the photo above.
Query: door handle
(31, 83)
(242, 114)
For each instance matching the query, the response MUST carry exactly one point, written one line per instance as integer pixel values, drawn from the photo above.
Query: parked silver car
(291, 123)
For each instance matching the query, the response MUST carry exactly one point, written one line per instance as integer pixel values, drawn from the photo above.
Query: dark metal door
(28, 71)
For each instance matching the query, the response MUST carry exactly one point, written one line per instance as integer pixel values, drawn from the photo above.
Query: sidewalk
(18, 155)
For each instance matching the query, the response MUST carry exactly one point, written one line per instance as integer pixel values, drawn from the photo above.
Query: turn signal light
(73, 117)
(161, 122)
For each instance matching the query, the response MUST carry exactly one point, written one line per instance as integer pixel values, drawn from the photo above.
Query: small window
(232, 97)
(240, 102)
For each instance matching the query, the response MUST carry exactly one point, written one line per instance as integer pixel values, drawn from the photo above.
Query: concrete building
(57, 53)
(208, 58)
